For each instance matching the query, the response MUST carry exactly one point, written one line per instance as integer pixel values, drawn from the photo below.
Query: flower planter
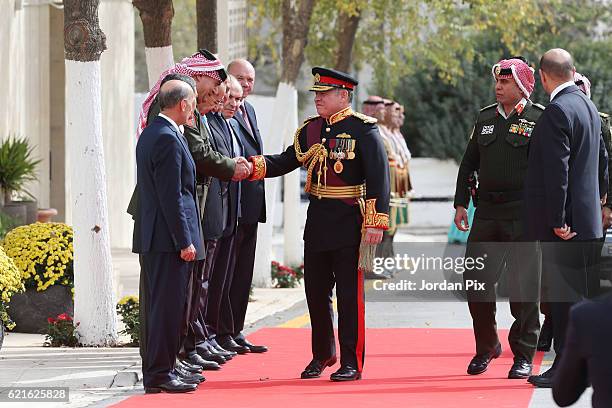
(16, 211)
(46, 214)
(30, 310)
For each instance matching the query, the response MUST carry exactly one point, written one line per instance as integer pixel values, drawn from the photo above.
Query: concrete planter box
(30, 310)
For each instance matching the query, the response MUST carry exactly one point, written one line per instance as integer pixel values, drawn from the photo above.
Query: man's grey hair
(349, 94)
(172, 93)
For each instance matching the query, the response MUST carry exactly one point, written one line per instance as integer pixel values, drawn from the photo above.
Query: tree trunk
(296, 24)
(345, 36)
(94, 304)
(206, 14)
(156, 17)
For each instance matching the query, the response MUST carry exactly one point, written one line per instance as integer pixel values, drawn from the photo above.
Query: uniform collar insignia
(338, 116)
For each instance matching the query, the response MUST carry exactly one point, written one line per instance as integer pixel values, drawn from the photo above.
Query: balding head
(177, 101)
(556, 68)
(558, 64)
(245, 74)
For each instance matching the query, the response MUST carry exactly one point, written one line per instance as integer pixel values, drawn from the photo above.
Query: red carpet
(403, 368)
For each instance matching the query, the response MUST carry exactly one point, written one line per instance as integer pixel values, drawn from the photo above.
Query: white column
(292, 255)
(275, 138)
(94, 303)
(36, 94)
(158, 60)
(118, 128)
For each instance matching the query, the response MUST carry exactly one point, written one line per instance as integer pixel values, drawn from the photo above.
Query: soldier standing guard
(348, 183)
(498, 151)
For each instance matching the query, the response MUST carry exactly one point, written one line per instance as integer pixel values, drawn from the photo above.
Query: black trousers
(498, 243)
(569, 270)
(323, 270)
(167, 303)
(195, 331)
(142, 308)
(218, 317)
(245, 245)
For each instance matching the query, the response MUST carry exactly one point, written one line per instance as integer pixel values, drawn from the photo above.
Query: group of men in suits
(543, 181)
(195, 221)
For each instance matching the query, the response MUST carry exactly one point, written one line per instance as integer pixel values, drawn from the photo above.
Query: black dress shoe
(187, 377)
(187, 366)
(521, 369)
(203, 364)
(171, 386)
(209, 356)
(316, 367)
(230, 345)
(346, 373)
(480, 362)
(241, 341)
(227, 354)
(544, 380)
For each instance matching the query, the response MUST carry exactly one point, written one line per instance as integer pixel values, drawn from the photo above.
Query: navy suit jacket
(587, 357)
(253, 192)
(562, 184)
(221, 210)
(166, 180)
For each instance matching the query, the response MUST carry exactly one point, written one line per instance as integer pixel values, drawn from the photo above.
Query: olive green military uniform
(497, 150)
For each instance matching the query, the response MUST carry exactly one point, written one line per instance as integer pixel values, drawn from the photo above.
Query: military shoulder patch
(489, 107)
(538, 106)
(604, 115)
(311, 118)
(365, 118)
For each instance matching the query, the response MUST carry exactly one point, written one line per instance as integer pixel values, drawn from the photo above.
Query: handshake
(243, 169)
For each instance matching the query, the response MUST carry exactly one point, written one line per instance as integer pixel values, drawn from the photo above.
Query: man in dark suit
(253, 204)
(170, 237)
(587, 357)
(220, 223)
(562, 203)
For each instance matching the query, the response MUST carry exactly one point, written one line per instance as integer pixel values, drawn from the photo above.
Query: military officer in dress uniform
(497, 149)
(348, 183)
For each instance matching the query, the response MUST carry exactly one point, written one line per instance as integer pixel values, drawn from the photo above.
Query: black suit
(587, 357)
(253, 211)
(562, 188)
(169, 222)
(222, 210)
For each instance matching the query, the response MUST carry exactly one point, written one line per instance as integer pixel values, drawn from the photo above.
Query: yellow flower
(42, 252)
(126, 299)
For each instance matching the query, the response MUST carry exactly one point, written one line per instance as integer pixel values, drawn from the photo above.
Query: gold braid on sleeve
(316, 154)
(259, 167)
(373, 219)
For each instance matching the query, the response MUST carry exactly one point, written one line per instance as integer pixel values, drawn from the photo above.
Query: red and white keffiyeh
(193, 66)
(583, 83)
(519, 71)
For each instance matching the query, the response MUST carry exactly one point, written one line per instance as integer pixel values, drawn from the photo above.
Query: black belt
(499, 197)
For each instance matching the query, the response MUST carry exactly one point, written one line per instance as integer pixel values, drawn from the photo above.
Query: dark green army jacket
(497, 151)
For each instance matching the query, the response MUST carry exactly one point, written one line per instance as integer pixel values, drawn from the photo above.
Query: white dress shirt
(560, 88)
(173, 123)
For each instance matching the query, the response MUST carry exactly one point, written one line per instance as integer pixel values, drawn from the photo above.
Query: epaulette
(311, 118)
(537, 105)
(489, 107)
(604, 115)
(365, 118)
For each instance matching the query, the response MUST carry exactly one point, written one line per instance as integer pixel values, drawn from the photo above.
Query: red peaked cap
(517, 69)
(326, 79)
